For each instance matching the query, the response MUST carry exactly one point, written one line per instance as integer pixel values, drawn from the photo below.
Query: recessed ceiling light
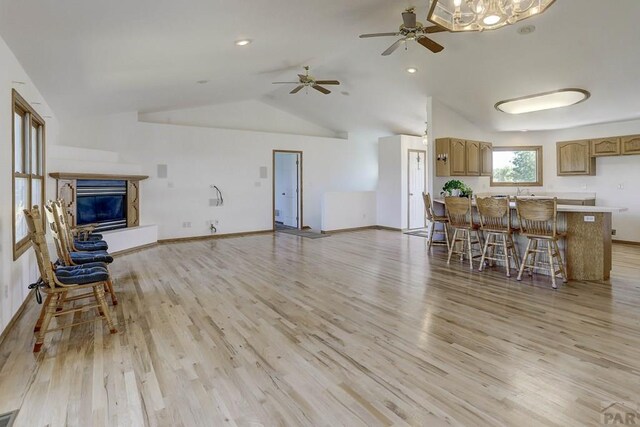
(527, 29)
(243, 42)
(202, 82)
(412, 70)
(543, 101)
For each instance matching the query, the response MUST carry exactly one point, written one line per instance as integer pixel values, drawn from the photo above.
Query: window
(28, 168)
(517, 166)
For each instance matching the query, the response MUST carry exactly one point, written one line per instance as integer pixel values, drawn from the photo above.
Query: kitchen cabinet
(574, 158)
(459, 157)
(605, 147)
(472, 158)
(486, 159)
(630, 144)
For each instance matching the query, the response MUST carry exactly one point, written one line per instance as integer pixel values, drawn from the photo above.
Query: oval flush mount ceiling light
(543, 101)
(243, 42)
(412, 70)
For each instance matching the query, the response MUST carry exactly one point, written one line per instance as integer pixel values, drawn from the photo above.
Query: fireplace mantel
(67, 189)
(72, 175)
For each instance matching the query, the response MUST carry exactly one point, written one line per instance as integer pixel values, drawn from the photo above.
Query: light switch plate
(589, 218)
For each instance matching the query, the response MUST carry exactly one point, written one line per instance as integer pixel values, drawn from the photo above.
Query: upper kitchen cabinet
(459, 157)
(630, 144)
(486, 159)
(574, 158)
(605, 147)
(473, 158)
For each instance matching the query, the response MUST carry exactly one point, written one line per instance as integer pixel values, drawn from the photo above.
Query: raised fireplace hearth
(110, 201)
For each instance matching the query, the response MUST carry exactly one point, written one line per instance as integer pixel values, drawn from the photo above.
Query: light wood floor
(359, 328)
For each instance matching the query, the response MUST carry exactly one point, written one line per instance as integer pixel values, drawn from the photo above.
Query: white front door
(287, 188)
(417, 182)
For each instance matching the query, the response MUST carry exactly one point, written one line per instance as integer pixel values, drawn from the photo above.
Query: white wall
(393, 179)
(231, 159)
(611, 171)
(343, 210)
(243, 115)
(15, 276)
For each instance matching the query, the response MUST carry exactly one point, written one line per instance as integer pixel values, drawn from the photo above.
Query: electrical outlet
(186, 224)
(613, 232)
(620, 186)
(589, 218)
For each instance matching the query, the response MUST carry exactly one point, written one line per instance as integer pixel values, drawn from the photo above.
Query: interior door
(417, 185)
(287, 188)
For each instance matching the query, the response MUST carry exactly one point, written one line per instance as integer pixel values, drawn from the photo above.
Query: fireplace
(111, 201)
(102, 202)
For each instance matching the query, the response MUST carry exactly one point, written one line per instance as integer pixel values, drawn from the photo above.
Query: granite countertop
(567, 208)
(546, 195)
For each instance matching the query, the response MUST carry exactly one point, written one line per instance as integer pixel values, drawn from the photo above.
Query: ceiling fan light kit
(410, 30)
(479, 15)
(305, 80)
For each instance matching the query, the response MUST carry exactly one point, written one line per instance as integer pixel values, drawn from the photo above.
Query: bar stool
(433, 220)
(539, 222)
(461, 219)
(495, 223)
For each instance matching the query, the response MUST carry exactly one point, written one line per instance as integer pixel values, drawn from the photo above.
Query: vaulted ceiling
(98, 57)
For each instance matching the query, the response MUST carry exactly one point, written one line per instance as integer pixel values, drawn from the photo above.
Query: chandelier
(479, 15)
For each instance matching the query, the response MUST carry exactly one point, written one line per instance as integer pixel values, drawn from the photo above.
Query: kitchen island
(586, 249)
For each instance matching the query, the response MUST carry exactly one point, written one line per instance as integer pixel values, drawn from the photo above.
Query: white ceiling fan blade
(393, 47)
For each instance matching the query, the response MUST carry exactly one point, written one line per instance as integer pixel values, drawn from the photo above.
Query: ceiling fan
(305, 80)
(411, 30)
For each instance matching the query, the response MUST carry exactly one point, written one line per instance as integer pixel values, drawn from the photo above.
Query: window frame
(539, 166)
(30, 172)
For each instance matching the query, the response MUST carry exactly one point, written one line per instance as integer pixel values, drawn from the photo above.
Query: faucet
(517, 191)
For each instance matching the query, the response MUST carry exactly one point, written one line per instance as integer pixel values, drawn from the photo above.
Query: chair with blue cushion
(58, 281)
(66, 254)
(81, 233)
(81, 237)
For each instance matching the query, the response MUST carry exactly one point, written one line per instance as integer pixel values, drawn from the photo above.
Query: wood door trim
(273, 188)
(409, 151)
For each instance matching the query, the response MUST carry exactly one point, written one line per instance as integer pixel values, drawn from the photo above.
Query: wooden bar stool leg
(505, 251)
(552, 268)
(464, 244)
(561, 262)
(484, 252)
(524, 260)
(446, 234)
(50, 311)
(534, 256)
(431, 229)
(470, 249)
(514, 253)
(453, 245)
(105, 308)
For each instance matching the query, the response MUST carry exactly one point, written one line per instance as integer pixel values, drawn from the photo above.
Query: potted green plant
(455, 187)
